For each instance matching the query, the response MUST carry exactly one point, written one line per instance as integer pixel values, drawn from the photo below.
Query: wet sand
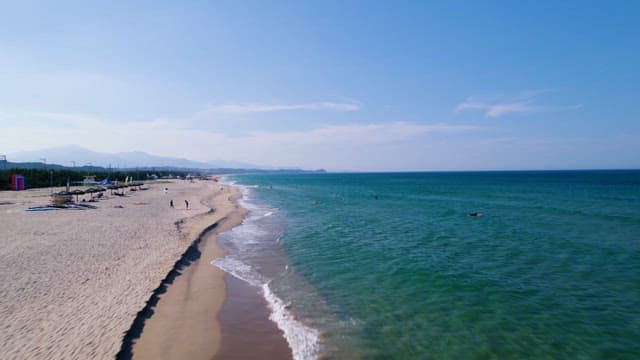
(247, 332)
(182, 322)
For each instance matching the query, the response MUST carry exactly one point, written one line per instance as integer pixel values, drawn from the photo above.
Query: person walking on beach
(171, 204)
(187, 203)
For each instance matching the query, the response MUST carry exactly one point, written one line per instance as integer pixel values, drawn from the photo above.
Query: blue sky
(341, 85)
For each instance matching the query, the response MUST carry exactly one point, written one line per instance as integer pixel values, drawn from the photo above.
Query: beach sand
(73, 281)
(183, 323)
(184, 320)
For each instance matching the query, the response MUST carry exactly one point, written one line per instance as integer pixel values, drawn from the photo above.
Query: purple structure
(18, 182)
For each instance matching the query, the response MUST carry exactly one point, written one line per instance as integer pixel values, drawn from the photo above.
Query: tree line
(39, 178)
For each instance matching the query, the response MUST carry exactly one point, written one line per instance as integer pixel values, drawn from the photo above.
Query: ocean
(392, 266)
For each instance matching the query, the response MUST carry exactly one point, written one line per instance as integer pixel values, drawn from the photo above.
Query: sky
(340, 85)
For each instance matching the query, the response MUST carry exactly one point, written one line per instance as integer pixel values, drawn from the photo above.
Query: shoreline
(247, 330)
(183, 321)
(191, 255)
(183, 317)
(91, 283)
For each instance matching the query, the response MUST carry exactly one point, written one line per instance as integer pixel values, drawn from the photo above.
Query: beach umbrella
(91, 191)
(116, 187)
(77, 192)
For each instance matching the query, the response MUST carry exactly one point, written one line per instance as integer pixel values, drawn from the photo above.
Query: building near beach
(89, 180)
(18, 182)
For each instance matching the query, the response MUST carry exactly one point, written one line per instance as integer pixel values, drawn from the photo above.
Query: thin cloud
(355, 134)
(519, 103)
(247, 108)
(167, 137)
(497, 109)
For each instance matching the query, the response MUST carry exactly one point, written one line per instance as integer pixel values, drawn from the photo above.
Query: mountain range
(77, 156)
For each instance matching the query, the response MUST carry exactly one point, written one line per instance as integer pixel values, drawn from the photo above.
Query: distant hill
(66, 155)
(75, 156)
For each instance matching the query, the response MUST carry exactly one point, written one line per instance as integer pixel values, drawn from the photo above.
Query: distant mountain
(70, 154)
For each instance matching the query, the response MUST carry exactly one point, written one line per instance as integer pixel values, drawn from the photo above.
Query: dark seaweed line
(188, 257)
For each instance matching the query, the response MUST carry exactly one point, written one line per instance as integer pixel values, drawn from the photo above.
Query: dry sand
(72, 281)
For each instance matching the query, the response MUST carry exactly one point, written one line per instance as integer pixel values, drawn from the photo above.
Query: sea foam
(303, 340)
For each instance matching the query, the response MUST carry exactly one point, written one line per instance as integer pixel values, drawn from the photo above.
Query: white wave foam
(238, 269)
(303, 340)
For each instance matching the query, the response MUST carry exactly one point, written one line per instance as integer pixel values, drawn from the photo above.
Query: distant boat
(475, 214)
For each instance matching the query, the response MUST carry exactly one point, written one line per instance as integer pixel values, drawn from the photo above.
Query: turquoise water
(391, 266)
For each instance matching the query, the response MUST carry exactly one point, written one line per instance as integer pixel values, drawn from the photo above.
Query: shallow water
(392, 266)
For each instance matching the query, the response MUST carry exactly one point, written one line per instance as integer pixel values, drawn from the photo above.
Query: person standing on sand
(171, 204)
(187, 203)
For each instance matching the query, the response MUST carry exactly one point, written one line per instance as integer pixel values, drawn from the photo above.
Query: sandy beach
(188, 319)
(183, 322)
(73, 281)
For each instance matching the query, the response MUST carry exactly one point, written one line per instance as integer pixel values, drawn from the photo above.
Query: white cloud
(352, 134)
(519, 103)
(319, 146)
(244, 108)
(496, 109)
